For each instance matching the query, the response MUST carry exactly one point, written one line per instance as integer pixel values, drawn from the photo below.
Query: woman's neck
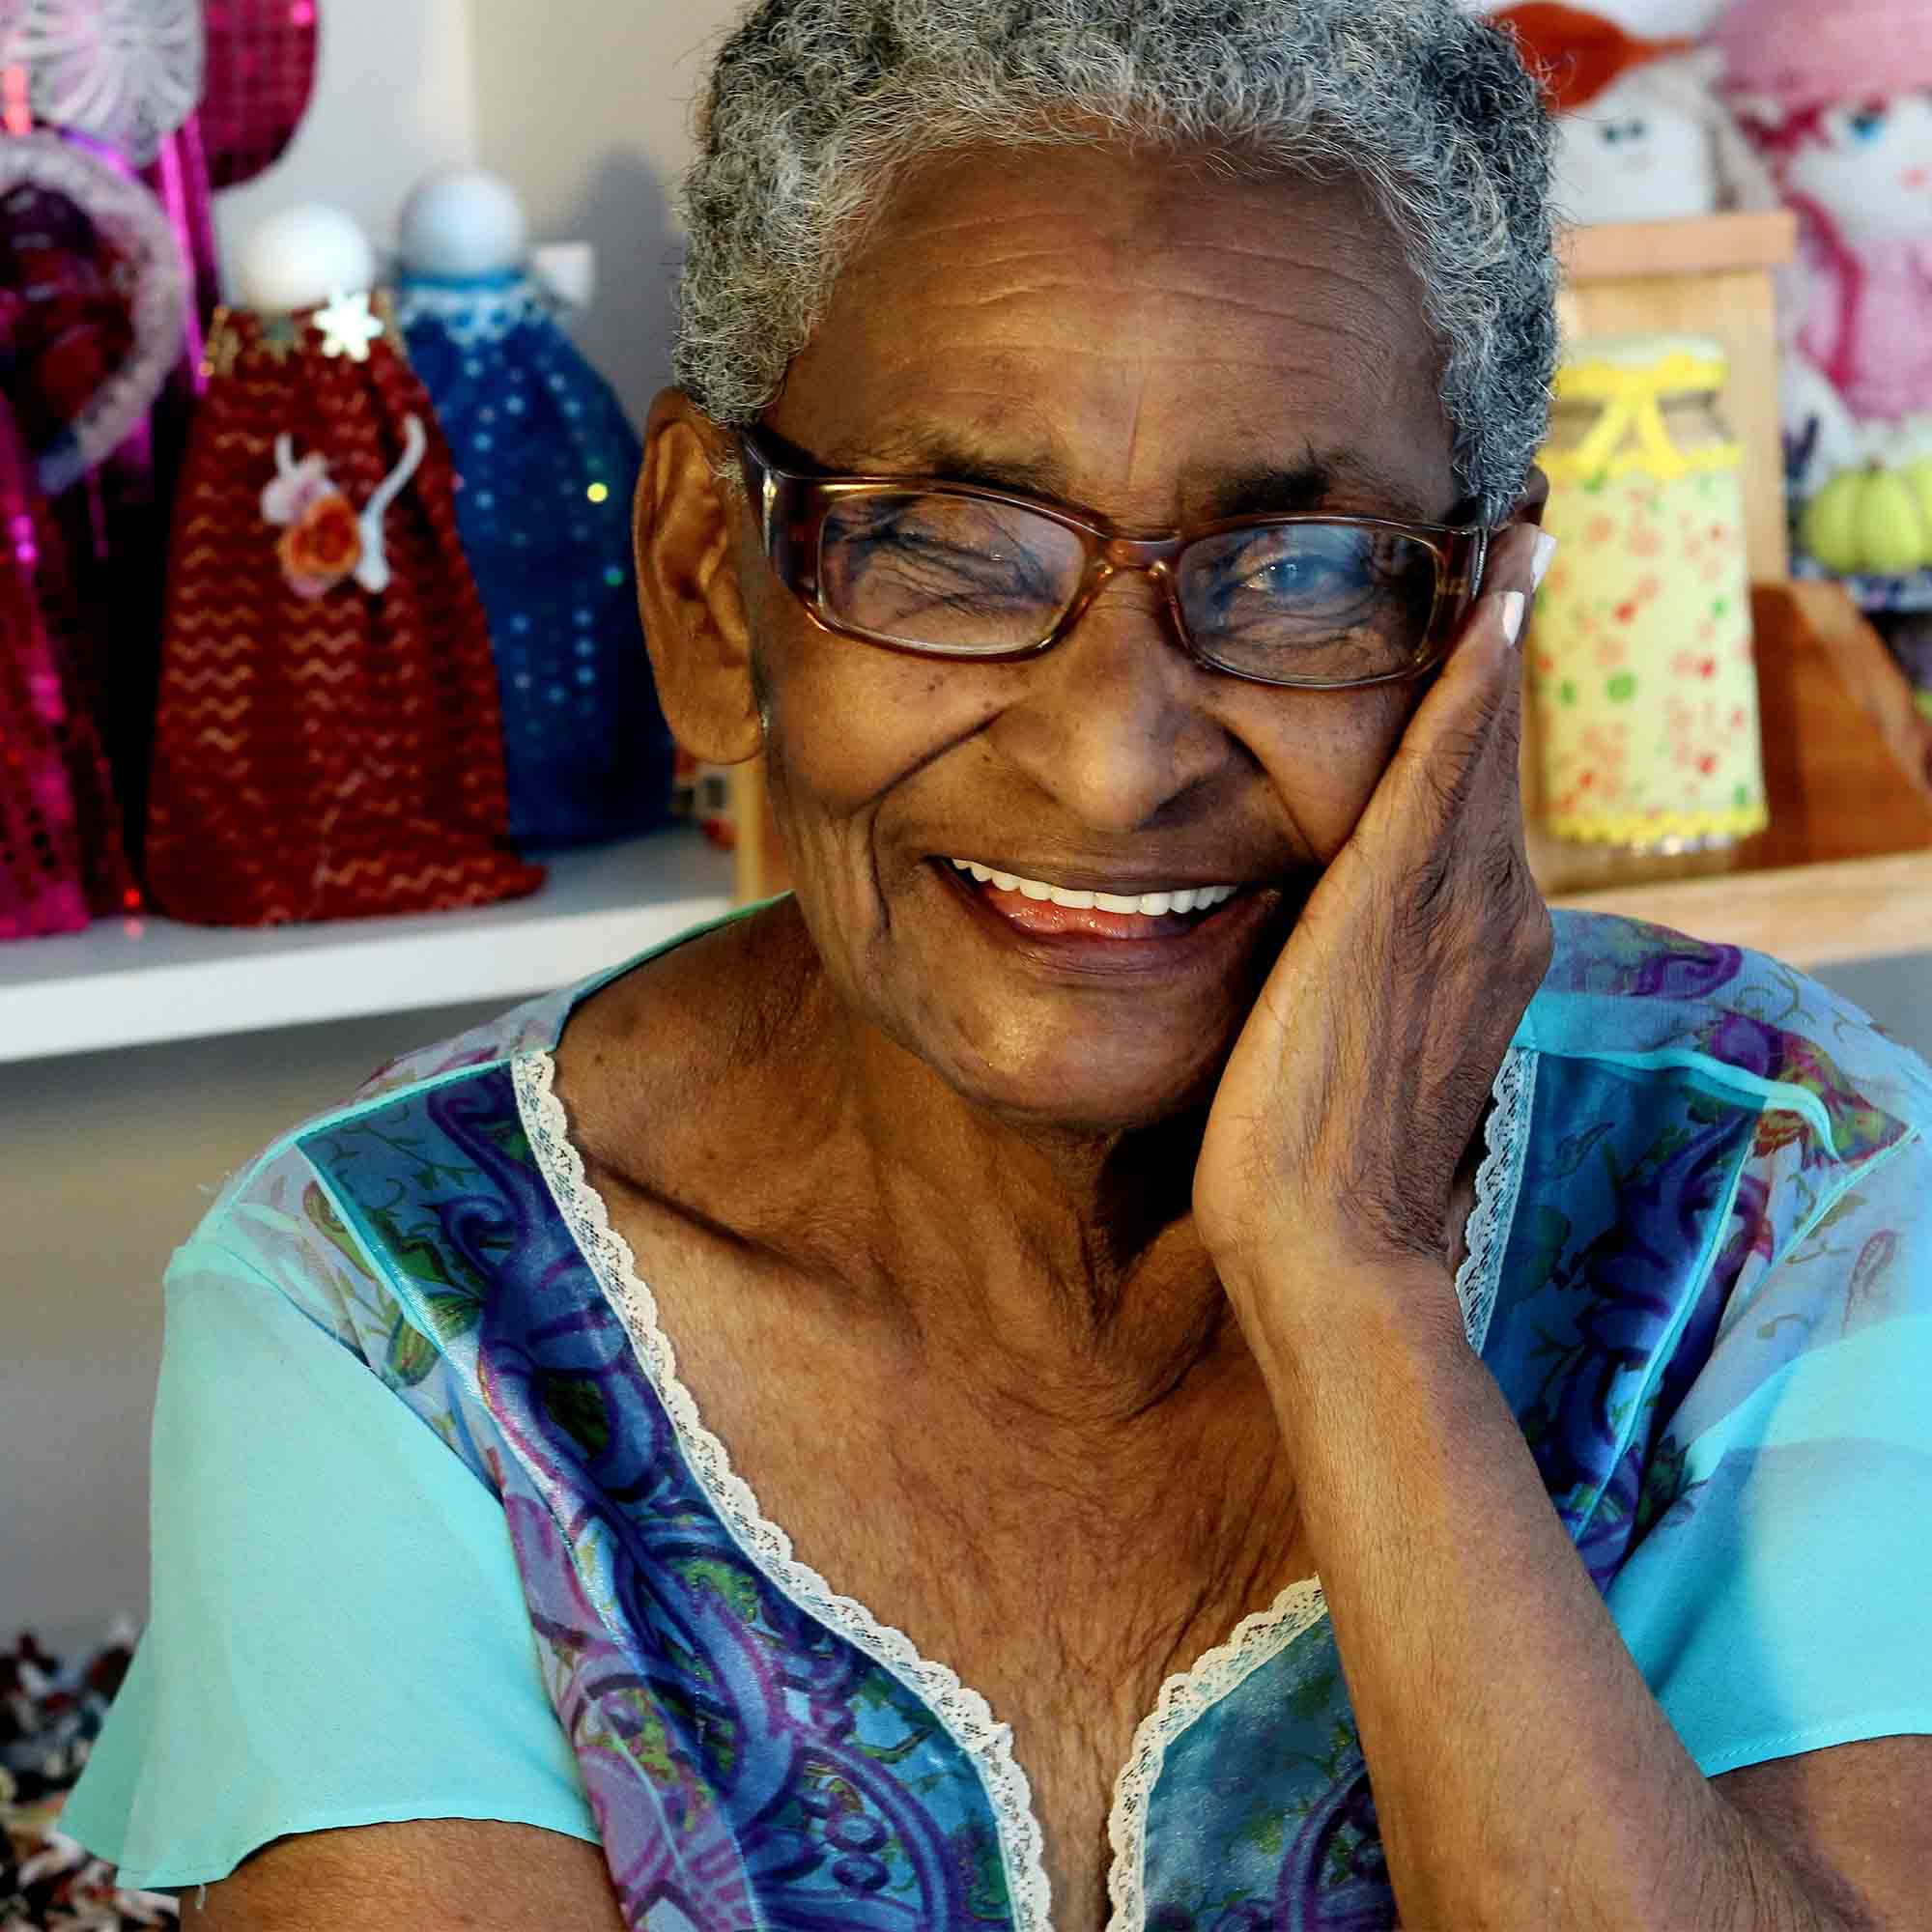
(1046, 1256)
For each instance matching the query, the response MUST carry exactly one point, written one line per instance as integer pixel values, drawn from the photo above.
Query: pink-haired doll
(1837, 96)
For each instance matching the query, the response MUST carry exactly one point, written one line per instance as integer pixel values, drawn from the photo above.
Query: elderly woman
(1155, 1346)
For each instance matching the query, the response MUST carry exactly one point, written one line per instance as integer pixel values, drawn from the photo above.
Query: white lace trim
(474, 315)
(966, 1716)
(1303, 1605)
(1213, 1676)
(1498, 1183)
(968, 1719)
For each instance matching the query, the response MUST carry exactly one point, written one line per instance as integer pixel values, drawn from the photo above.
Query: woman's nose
(1115, 721)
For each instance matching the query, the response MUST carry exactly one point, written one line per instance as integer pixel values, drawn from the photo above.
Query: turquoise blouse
(439, 1532)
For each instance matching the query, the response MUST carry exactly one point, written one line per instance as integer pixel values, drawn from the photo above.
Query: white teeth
(1148, 905)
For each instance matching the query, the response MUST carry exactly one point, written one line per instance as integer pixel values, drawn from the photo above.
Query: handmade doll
(93, 301)
(119, 85)
(547, 464)
(1641, 133)
(1835, 94)
(327, 740)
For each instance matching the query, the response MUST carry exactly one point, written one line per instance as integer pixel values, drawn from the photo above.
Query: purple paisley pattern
(746, 1766)
(1628, 959)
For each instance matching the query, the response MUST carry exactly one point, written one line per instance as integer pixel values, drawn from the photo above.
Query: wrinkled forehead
(1142, 332)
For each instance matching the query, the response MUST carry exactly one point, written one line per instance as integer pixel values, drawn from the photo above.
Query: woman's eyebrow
(1316, 483)
(954, 457)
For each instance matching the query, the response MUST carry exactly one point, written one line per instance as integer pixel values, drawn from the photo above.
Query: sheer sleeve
(339, 1634)
(1779, 1605)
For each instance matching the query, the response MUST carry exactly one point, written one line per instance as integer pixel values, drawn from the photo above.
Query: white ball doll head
(1641, 132)
(464, 223)
(1641, 150)
(302, 257)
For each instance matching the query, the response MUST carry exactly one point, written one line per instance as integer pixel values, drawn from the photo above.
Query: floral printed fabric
(1714, 1317)
(1641, 665)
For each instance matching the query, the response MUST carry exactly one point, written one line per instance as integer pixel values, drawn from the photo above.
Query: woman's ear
(695, 625)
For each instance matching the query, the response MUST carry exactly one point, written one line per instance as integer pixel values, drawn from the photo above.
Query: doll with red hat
(1641, 132)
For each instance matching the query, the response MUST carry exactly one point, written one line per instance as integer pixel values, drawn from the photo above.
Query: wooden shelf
(1703, 244)
(1810, 916)
(127, 984)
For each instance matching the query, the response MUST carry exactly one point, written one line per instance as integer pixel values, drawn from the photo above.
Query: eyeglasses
(950, 570)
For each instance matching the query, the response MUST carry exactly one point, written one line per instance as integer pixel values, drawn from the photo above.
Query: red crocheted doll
(327, 742)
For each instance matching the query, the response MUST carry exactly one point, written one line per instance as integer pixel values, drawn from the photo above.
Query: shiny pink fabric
(260, 73)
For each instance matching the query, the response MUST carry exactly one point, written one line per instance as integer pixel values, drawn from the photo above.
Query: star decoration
(348, 328)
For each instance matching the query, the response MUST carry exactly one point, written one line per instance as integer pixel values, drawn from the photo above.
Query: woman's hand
(1363, 1071)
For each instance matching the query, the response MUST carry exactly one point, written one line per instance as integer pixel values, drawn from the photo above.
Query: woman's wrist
(1320, 1317)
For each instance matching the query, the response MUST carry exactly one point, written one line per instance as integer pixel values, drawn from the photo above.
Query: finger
(1462, 743)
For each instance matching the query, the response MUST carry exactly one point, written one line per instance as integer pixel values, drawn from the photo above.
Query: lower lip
(1136, 945)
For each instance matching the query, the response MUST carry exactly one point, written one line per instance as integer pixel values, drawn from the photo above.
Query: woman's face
(1164, 346)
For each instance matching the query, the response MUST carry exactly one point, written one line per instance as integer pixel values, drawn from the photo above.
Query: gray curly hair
(815, 106)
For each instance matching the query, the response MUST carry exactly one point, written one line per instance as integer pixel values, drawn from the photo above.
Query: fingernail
(1513, 606)
(1539, 561)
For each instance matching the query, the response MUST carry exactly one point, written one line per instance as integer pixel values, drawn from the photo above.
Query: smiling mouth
(1041, 910)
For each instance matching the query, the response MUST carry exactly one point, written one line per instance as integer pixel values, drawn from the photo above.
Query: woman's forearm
(1523, 1775)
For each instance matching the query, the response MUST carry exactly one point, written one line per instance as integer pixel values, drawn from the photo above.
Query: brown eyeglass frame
(792, 505)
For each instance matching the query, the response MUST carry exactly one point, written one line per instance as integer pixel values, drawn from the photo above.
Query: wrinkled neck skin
(1057, 1265)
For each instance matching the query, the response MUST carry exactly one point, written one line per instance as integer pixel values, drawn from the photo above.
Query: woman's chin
(1089, 1094)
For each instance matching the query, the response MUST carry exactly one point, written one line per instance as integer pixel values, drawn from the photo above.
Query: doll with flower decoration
(328, 739)
(547, 463)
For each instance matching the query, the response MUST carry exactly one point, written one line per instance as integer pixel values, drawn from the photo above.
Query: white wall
(395, 98)
(584, 106)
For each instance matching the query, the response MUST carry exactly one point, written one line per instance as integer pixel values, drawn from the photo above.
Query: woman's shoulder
(1620, 991)
(341, 1213)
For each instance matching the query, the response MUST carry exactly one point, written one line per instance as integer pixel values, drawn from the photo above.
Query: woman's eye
(1294, 577)
(1865, 122)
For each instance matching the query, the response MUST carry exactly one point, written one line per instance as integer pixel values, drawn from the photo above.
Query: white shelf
(125, 984)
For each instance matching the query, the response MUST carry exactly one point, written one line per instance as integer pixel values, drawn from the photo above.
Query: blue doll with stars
(546, 462)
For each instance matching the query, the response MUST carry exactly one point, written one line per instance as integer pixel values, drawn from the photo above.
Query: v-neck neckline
(964, 1713)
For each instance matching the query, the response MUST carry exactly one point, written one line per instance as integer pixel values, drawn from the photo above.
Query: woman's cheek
(847, 719)
(1326, 752)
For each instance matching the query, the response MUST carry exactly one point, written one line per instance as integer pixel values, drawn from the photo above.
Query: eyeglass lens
(1317, 602)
